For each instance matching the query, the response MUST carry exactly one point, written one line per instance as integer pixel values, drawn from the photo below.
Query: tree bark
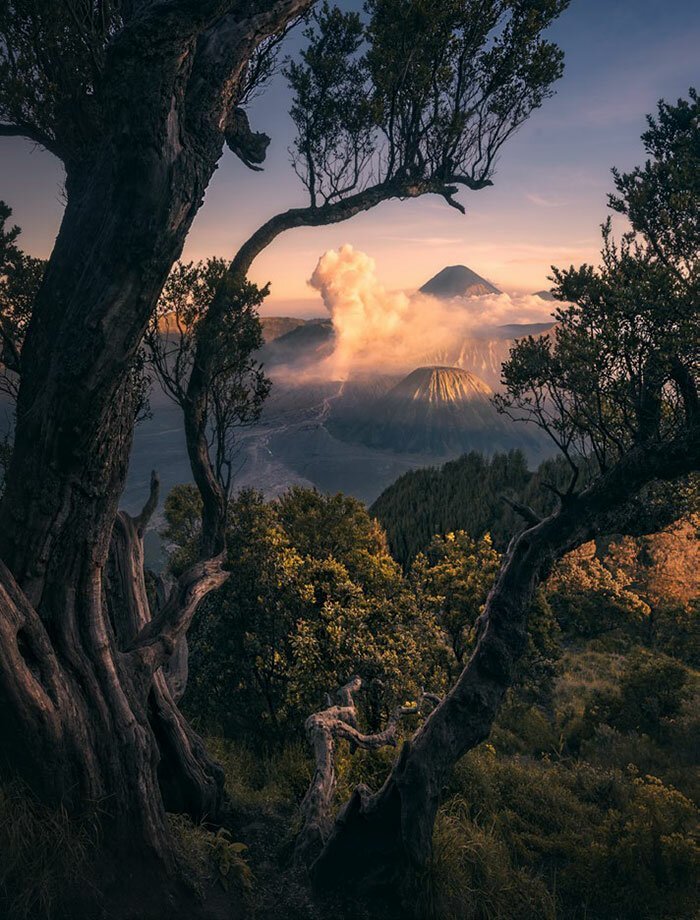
(383, 842)
(90, 724)
(86, 720)
(323, 729)
(190, 782)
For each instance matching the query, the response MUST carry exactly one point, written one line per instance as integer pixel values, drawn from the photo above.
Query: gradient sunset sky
(549, 192)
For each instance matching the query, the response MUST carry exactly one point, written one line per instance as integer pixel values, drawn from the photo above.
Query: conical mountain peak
(458, 281)
(441, 386)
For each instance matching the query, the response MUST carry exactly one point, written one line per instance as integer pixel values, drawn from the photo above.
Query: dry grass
(43, 854)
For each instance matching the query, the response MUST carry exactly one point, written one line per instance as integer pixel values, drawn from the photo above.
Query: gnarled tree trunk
(324, 729)
(190, 781)
(86, 719)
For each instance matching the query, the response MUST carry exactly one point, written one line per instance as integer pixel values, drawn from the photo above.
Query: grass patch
(43, 854)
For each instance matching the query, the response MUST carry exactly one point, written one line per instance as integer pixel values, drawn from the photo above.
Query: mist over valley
(388, 382)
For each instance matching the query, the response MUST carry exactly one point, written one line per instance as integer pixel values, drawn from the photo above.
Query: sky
(550, 187)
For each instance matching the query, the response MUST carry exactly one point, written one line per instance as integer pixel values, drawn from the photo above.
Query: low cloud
(389, 331)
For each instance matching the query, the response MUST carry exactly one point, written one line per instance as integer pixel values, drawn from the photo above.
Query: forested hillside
(465, 494)
(582, 803)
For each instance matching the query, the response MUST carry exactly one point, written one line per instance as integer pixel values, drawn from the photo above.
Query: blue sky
(549, 193)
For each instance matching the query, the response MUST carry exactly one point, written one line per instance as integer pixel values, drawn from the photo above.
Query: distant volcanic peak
(307, 344)
(458, 281)
(435, 410)
(274, 327)
(441, 385)
(544, 295)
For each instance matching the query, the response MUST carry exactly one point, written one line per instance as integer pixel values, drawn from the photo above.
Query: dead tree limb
(158, 639)
(323, 729)
(190, 782)
(525, 511)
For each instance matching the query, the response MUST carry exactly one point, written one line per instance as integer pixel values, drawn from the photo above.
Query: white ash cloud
(393, 331)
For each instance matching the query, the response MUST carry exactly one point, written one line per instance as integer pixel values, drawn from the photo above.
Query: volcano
(441, 387)
(441, 411)
(458, 281)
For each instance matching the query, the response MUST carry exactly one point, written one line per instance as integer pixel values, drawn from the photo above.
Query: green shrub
(472, 875)
(676, 630)
(563, 839)
(651, 692)
(524, 729)
(265, 782)
(645, 859)
(289, 627)
(590, 599)
(208, 857)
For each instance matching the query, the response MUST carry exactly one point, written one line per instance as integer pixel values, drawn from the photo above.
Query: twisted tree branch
(150, 506)
(525, 511)
(323, 729)
(159, 637)
(31, 133)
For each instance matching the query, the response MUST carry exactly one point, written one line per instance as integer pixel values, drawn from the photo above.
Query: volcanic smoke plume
(392, 331)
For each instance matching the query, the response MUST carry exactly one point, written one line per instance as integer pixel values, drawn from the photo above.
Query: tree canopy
(620, 370)
(416, 96)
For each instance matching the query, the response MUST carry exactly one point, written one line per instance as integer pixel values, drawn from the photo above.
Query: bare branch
(323, 729)
(525, 511)
(158, 639)
(447, 193)
(31, 133)
(150, 506)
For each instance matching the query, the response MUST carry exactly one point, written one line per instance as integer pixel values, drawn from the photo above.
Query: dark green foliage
(330, 525)
(620, 368)
(416, 97)
(676, 630)
(211, 858)
(313, 598)
(538, 668)
(581, 805)
(20, 277)
(591, 599)
(183, 512)
(660, 199)
(563, 840)
(650, 694)
(452, 579)
(465, 494)
(51, 59)
(533, 824)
